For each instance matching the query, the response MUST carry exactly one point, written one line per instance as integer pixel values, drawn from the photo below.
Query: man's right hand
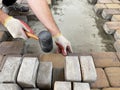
(17, 28)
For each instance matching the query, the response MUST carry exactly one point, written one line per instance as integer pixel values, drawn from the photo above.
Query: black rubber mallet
(45, 40)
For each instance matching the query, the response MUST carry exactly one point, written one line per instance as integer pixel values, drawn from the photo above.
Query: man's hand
(17, 28)
(64, 46)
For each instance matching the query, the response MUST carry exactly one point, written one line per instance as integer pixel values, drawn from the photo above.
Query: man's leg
(12, 5)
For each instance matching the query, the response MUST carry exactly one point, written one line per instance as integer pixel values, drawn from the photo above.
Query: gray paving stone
(72, 69)
(10, 69)
(28, 71)
(44, 75)
(12, 47)
(31, 89)
(9, 87)
(88, 69)
(2, 61)
(81, 86)
(117, 45)
(117, 35)
(3, 36)
(62, 86)
(23, 18)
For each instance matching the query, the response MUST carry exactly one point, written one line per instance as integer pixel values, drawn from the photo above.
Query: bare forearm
(42, 11)
(3, 17)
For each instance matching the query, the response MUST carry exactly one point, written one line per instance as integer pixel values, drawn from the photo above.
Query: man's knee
(8, 2)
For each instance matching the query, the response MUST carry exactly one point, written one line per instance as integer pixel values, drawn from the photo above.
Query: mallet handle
(31, 35)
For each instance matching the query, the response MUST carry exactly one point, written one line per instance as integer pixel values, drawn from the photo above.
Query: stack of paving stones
(25, 73)
(110, 11)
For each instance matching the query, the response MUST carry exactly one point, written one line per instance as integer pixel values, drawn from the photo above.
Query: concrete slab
(81, 86)
(28, 71)
(9, 87)
(72, 69)
(10, 69)
(88, 69)
(62, 86)
(44, 77)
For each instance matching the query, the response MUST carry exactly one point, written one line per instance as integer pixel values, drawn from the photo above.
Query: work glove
(17, 28)
(64, 46)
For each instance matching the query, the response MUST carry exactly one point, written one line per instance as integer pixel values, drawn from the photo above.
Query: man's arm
(42, 11)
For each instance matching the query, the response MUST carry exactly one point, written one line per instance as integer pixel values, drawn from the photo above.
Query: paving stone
(81, 86)
(104, 1)
(12, 47)
(112, 6)
(3, 36)
(98, 8)
(118, 55)
(58, 75)
(88, 69)
(72, 69)
(10, 69)
(113, 74)
(57, 60)
(105, 59)
(111, 89)
(117, 35)
(117, 45)
(115, 18)
(92, 1)
(2, 28)
(2, 61)
(111, 27)
(94, 89)
(62, 86)
(108, 13)
(31, 89)
(28, 71)
(101, 81)
(115, 1)
(9, 87)
(44, 77)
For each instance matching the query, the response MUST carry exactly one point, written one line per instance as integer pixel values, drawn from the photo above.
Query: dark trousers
(8, 2)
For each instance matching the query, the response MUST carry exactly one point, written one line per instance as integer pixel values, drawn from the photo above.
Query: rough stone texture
(81, 86)
(44, 77)
(108, 13)
(9, 87)
(104, 1)
(57, 59)
(62, 85)
(10, 69)
(31, 89)
(117, 45)
(3, 36)
(115, 18)
(105, 59)
(112, 6)
(27, 73)
(111, 89)
(88, 69)
(117, 35)
(58, 75)
(12, 47)
(111, 27)
(98, 8)
(2, 60)
(101, 81)
(72, 69)
(113, 74)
